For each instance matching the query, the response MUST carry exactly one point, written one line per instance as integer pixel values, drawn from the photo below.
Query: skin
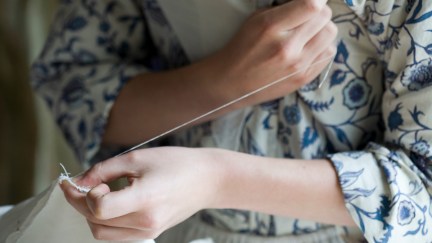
(162, 193)
(271, 44)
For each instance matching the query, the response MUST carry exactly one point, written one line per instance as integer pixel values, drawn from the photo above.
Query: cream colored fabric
(195, 228)
(46, 218)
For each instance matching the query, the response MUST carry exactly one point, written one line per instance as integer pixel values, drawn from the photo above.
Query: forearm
(152, 103)
(256, 56)
(306, 189)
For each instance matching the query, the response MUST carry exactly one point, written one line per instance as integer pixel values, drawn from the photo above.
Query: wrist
(237, 179)
(209, 79)
(216, 176)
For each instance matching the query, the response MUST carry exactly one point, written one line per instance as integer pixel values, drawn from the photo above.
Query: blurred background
(31, 146)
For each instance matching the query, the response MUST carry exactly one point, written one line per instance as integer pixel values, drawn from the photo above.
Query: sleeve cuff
(384, 194)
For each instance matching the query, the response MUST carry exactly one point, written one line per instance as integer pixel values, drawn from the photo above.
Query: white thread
(230, 103)
(65, 177)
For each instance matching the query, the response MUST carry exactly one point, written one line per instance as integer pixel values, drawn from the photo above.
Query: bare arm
(271, 44)
(161, 178)
(306, 189)
(152, 103)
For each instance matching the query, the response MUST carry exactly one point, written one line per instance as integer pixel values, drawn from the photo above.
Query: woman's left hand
(167, 185)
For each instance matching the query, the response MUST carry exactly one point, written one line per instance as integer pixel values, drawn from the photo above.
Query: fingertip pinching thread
(65, 177)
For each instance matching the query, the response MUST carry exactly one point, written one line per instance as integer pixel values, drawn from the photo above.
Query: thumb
(94, 197)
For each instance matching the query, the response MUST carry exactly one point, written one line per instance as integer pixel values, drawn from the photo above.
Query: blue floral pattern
(419, 75)
(292, 114)
(406, 212)
(371, 120)
(356, 94)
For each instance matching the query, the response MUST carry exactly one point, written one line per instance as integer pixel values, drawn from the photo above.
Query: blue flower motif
(292, 114)
(105, 26)
(101, 40)
(342, 53)
(389, 74)
(99, 123)
(406, 213)
(356, 94)
(387, 44)
(338, 77)
(375, 28)
(40, 69)
(354, 154)
(76, 23)
(311, 86)
(395, 119)
(123, 49)
(284, 134)
(310, 136)
(85, 57)
(418, 76)
(421, 147)
(74, 92)
(270, 105)
(389, 170)
(422, 163)
(428, 49)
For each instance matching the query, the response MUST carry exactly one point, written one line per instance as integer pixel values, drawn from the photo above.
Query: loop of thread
(65, 177)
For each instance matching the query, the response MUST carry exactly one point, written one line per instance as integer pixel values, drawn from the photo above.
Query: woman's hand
(167, 185)
(275, 43)
(272, 44)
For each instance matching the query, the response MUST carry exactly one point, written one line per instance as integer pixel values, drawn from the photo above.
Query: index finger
(75, 198)
(109, 170)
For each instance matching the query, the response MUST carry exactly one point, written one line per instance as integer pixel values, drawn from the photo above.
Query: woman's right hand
(274, 43)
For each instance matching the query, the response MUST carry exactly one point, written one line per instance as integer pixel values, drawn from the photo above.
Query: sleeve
(388, 186)
(93, 49)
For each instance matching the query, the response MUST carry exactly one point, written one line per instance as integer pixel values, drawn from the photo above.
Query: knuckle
(100, 211)
(302, 78)
(266, 23)
(298, 66)
(331, 51)
(287, 52)
(312, 6)
(148, 221)
(92, 219)
(332, 29)
(96, 169)
(131, 157)
(97, 232)
(327, 12)
(143, 221)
